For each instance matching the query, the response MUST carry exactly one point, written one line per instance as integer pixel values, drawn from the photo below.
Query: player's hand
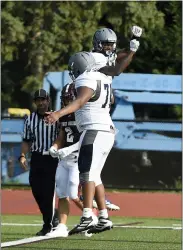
(63, 152)
(51, 117)
(134, 45)
(53, 152)
(23, 163)
(136, 31)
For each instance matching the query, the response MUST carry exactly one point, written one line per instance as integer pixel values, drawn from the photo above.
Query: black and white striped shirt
(39, 133)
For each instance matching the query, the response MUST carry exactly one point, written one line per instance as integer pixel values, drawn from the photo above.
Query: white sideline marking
(20, 224)
(150, 227)
(24, 241)
(174, 226)
(40, 238)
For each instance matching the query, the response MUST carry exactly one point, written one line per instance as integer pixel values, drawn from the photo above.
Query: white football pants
(67, 178)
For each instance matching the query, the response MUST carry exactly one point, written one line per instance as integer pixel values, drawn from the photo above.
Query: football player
(104, 50)
(67, 173)
(91, 108)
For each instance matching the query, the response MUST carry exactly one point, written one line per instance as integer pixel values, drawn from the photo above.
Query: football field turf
(127, 234)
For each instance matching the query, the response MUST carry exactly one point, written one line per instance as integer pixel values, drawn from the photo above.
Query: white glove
(63, 152)
(53, 152)
(136, 31)
(134, 45)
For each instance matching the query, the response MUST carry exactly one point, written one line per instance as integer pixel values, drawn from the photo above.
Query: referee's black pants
(42, 182)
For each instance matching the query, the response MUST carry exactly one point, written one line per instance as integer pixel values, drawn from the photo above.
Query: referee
(38, 137)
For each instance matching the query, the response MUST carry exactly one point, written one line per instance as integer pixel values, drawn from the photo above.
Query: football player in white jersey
(91, 108)
(65, 147)
(104, 50)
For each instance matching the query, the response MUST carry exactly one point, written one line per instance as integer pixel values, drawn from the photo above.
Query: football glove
(53, 152)
(134, 45)
(136, 31)
(63, 152)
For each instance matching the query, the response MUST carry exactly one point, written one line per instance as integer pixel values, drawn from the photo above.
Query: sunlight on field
(132, 238)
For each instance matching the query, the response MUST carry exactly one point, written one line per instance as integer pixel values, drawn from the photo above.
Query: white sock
(87, 212)
(103, 213)
(61, 224)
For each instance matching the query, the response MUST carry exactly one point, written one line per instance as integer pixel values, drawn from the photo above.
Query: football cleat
(85, 224)
(104, 224)
(111, 206)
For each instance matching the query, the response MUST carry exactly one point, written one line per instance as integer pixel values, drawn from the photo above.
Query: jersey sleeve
(86, 80)
(26, 131)
(100, 60)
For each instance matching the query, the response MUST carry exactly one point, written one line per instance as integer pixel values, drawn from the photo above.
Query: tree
(41, 36)
(161, 43)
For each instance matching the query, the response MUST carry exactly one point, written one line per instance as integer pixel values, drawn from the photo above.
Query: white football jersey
(101, 61)
(95, 113)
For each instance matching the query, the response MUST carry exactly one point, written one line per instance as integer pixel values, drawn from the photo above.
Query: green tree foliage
(40, 36)
(161, 45)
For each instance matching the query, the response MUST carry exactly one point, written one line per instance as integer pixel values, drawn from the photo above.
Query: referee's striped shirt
(39, 133)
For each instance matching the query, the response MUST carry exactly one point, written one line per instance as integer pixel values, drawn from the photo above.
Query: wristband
(135, 37)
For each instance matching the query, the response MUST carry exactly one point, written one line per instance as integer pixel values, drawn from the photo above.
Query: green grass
(116, 239)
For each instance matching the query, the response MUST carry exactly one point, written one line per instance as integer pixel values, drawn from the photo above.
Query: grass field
(119, 238)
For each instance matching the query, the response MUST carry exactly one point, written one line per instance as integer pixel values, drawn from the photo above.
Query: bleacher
(131, 89)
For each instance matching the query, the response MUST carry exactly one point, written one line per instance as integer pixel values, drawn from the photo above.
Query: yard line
(24, 241)
(149, 227)
(35, 225)
(20, 224)
(40, 238)
(128, 225)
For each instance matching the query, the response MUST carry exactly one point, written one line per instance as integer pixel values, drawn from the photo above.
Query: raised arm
(121, 64)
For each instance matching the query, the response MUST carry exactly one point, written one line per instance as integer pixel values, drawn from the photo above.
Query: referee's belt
(41, 153)
(46, 153)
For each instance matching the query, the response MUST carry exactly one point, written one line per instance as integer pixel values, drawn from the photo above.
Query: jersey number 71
(107, 88)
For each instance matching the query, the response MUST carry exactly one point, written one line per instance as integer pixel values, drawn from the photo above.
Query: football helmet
(68, 94)
(104, 41)
(79, 63)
